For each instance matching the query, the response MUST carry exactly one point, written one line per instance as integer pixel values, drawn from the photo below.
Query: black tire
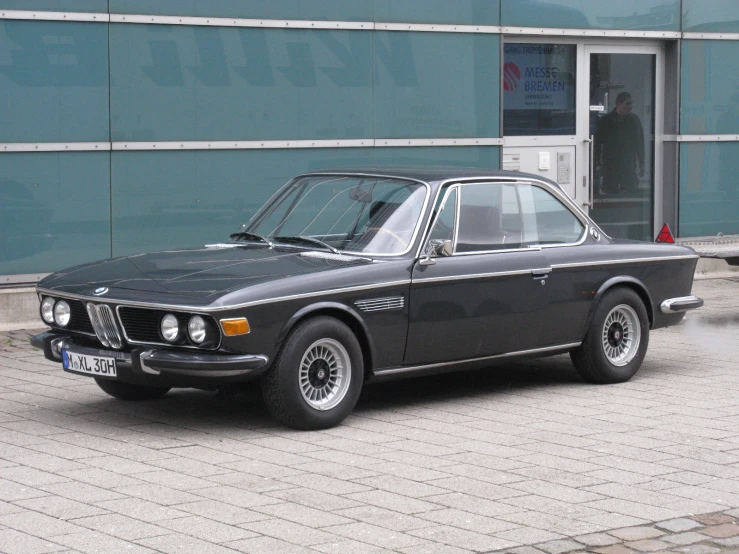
(287, 399)
(592, 360)
(127, 391)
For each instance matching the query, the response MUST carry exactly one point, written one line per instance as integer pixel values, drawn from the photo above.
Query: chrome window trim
(215, 309)
(411, 369)
(169, 344)
(559, 194)
(625, 261)
(474, 276)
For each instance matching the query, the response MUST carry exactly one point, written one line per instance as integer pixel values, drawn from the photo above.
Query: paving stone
(647, 545)
(714, 519)
(597, 539)
(733, 541)
(723, 531)
(355, 547)
(179, 544)
(559, 546)
(524, 550)
(614, 549)
(678, 525)
(91, 542)
(690, 537)
(636, 533)
(699, 549)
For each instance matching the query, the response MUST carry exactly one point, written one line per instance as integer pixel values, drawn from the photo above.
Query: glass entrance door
(621, 131)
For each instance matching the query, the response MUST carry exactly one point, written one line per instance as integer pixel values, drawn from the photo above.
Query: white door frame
(602, 45)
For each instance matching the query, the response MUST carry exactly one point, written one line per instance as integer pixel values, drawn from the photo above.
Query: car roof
(431, 174)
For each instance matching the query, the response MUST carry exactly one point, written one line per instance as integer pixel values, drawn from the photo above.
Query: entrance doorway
(588, 116)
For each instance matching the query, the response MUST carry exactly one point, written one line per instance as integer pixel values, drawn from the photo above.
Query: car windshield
(367, 215)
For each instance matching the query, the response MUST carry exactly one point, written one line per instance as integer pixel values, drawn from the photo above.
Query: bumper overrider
(158, 366)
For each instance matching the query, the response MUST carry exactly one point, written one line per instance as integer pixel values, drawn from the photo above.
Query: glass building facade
(131, 125)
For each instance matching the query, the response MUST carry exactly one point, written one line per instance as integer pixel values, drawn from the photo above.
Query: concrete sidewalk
(522, 458)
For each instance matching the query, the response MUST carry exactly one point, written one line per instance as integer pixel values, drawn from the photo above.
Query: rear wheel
(316, 378)
(617, 340)
(127, 391)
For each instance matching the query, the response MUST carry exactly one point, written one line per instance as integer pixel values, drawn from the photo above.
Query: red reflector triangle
(665, 235)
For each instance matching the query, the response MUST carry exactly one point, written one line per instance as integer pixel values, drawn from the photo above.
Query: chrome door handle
(541, 273)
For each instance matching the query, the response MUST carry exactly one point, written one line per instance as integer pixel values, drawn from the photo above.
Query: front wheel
(126, 391)
(316, 378)
(617, 340)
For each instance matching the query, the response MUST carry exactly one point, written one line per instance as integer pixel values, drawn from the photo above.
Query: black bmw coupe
(345, 277)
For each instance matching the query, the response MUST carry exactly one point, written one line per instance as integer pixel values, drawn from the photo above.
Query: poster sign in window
(538, 77)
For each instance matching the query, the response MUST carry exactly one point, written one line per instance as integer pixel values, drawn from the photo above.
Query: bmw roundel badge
(100, 291)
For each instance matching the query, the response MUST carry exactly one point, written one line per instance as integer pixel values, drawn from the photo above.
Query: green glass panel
(711, 16)
(53, 81)
(462, 12)
(710, 87)
(54, 210)
(434, 85)
(217, 83)
(89, 6)
(332, 10)
(709, 189)
(663, 15)
(180, 199)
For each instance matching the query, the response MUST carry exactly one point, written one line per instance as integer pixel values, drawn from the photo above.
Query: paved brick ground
(525, 458)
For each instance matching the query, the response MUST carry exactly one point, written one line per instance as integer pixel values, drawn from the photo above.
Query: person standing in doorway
(619, 148)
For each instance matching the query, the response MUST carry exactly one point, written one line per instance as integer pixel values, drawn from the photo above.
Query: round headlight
(170, 328)
(47, 309)
(196, 329)
(62, 313)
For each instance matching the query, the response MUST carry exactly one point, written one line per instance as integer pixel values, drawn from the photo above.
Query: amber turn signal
(237, 326)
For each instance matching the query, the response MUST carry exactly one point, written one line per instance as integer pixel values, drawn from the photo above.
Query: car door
(487, 297)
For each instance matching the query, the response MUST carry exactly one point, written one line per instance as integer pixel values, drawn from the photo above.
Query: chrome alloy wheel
(621, 335)
(325, 373)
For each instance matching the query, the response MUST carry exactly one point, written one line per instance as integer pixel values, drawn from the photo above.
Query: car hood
(203, 272)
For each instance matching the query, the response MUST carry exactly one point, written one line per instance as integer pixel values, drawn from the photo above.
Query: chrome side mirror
(436, 248)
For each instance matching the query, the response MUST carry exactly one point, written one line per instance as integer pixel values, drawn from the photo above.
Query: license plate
(89, 365)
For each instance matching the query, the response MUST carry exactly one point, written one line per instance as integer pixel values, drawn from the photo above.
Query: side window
(489, 218)
(555, 223)
(444, 226)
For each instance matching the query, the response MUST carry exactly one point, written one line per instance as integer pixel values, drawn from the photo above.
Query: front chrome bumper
(681, 304)
(160, 363)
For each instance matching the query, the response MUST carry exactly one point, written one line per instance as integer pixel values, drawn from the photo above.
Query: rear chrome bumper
(160, 362)
(681, 304)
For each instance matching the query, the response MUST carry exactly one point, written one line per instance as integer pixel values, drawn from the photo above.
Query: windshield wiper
(250, 236)
(309, 240)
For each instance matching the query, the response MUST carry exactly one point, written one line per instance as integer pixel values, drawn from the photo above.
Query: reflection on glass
(710, 83)
(711, 16)
(431, 85)
(596, 14)
(175, 199)
(88, 6)
(217, 83)
(354, 214)
(622, 122)
(461, 12)
(539, 83)
(54, 210)
(709, 189)
(333, 10)
(53, 81)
